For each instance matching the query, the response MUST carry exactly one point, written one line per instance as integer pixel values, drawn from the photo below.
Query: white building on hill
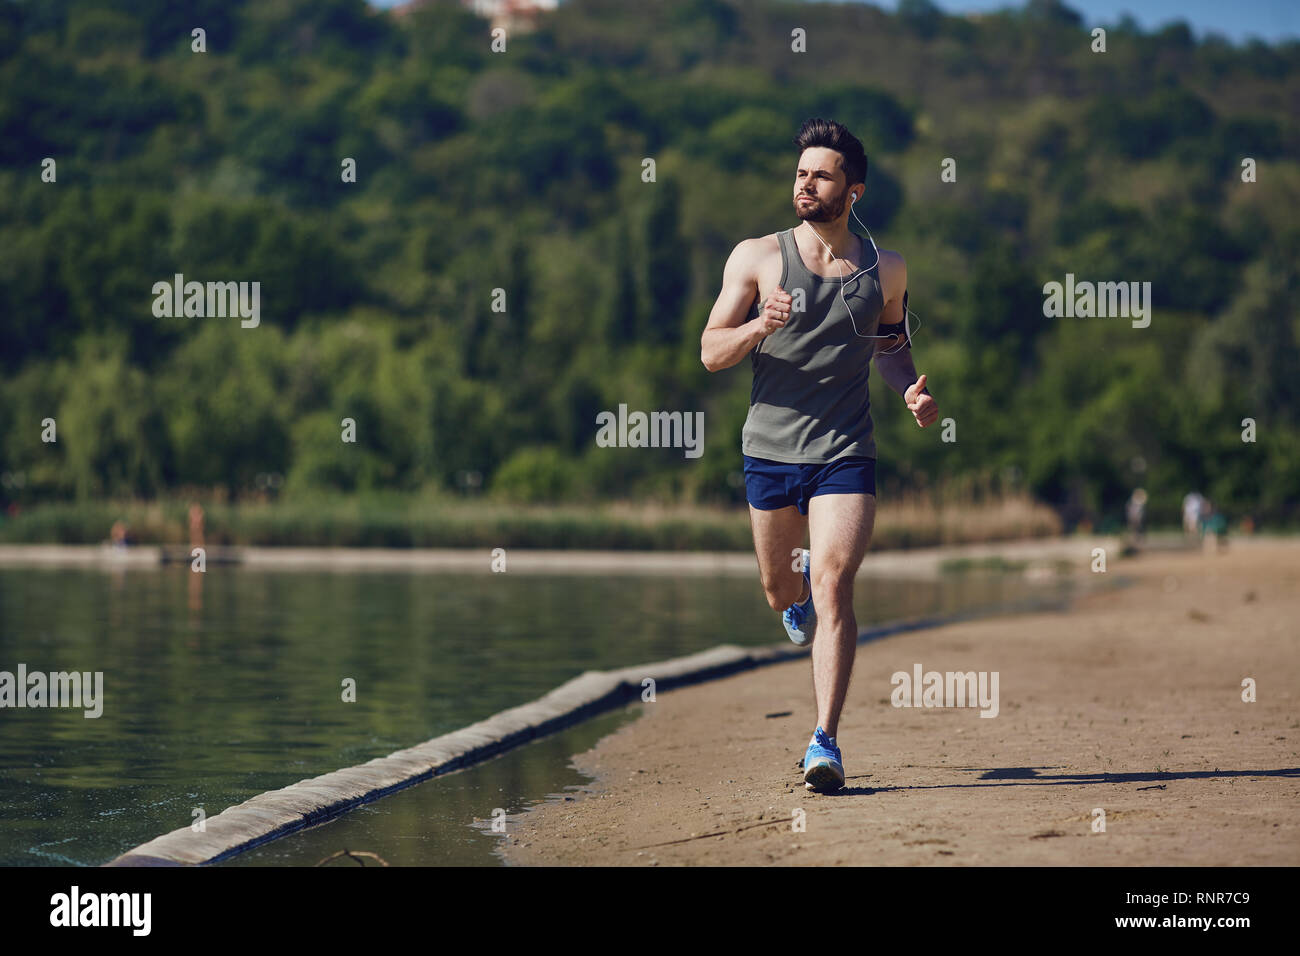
(511, 14)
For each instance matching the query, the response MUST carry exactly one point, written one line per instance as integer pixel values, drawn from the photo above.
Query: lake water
(220, 686)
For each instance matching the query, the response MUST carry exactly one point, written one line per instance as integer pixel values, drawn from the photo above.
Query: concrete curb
(279, 812)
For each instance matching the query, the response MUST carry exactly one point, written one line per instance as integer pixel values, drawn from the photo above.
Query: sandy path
(1131, 702)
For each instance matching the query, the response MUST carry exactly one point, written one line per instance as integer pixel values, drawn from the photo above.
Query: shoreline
(1129, 703)
(276, 813)
(918, 562)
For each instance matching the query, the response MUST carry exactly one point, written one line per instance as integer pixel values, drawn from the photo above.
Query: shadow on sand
(1022, 776)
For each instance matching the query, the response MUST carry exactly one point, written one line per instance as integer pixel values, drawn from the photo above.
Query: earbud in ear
(854, 197)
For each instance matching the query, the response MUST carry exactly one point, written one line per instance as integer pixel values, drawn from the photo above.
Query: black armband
(897, 328)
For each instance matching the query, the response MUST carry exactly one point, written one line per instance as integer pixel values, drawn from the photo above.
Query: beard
(816, 211)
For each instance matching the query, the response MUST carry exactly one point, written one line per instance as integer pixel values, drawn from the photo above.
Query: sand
(1130, 703)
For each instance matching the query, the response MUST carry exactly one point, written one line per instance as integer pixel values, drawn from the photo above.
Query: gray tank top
(809, 401)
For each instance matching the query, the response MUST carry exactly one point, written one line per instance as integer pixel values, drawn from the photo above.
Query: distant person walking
(1193, 503)
(807, 446)
(196, 524)
(1136, 513)
(1214, 528)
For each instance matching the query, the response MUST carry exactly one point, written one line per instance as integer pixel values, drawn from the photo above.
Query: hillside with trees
(521, 171)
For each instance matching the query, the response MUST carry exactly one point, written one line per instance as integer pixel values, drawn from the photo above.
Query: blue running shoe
(823, 768)
(800, 620)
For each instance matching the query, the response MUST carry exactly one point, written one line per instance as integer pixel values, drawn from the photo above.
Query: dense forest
(485, 177)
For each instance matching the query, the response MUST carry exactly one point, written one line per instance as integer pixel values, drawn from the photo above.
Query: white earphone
(907, 313)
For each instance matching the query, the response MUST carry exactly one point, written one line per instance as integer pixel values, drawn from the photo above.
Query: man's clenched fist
(776, 311)
(924, 408)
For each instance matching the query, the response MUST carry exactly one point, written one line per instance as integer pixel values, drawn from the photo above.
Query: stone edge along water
(277, 813)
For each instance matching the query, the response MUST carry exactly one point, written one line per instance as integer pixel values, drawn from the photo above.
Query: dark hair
(833, 135)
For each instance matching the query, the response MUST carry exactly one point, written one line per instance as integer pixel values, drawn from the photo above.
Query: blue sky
(1238, 20)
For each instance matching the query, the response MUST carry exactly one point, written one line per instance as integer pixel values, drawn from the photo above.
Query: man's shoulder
(759, 245)
(755, 255)
(892, 259)
(893, 273)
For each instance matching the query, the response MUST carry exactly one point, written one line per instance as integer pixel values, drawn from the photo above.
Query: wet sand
(1129, 703)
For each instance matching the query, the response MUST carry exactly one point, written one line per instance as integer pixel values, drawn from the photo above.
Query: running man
(809, 456)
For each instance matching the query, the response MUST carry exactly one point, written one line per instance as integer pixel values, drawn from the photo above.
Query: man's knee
(833, 589)
(782, 590)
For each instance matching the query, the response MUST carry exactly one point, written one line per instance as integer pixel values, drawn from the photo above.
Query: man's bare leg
(840, 528)
(777, 535)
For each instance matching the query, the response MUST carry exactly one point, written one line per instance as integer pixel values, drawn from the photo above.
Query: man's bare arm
(896, 368)
(895, 363)
(728, 338)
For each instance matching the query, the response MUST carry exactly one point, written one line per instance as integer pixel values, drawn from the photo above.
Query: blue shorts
(777, 484)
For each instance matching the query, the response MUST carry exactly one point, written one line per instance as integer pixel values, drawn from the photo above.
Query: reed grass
(416, 521)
